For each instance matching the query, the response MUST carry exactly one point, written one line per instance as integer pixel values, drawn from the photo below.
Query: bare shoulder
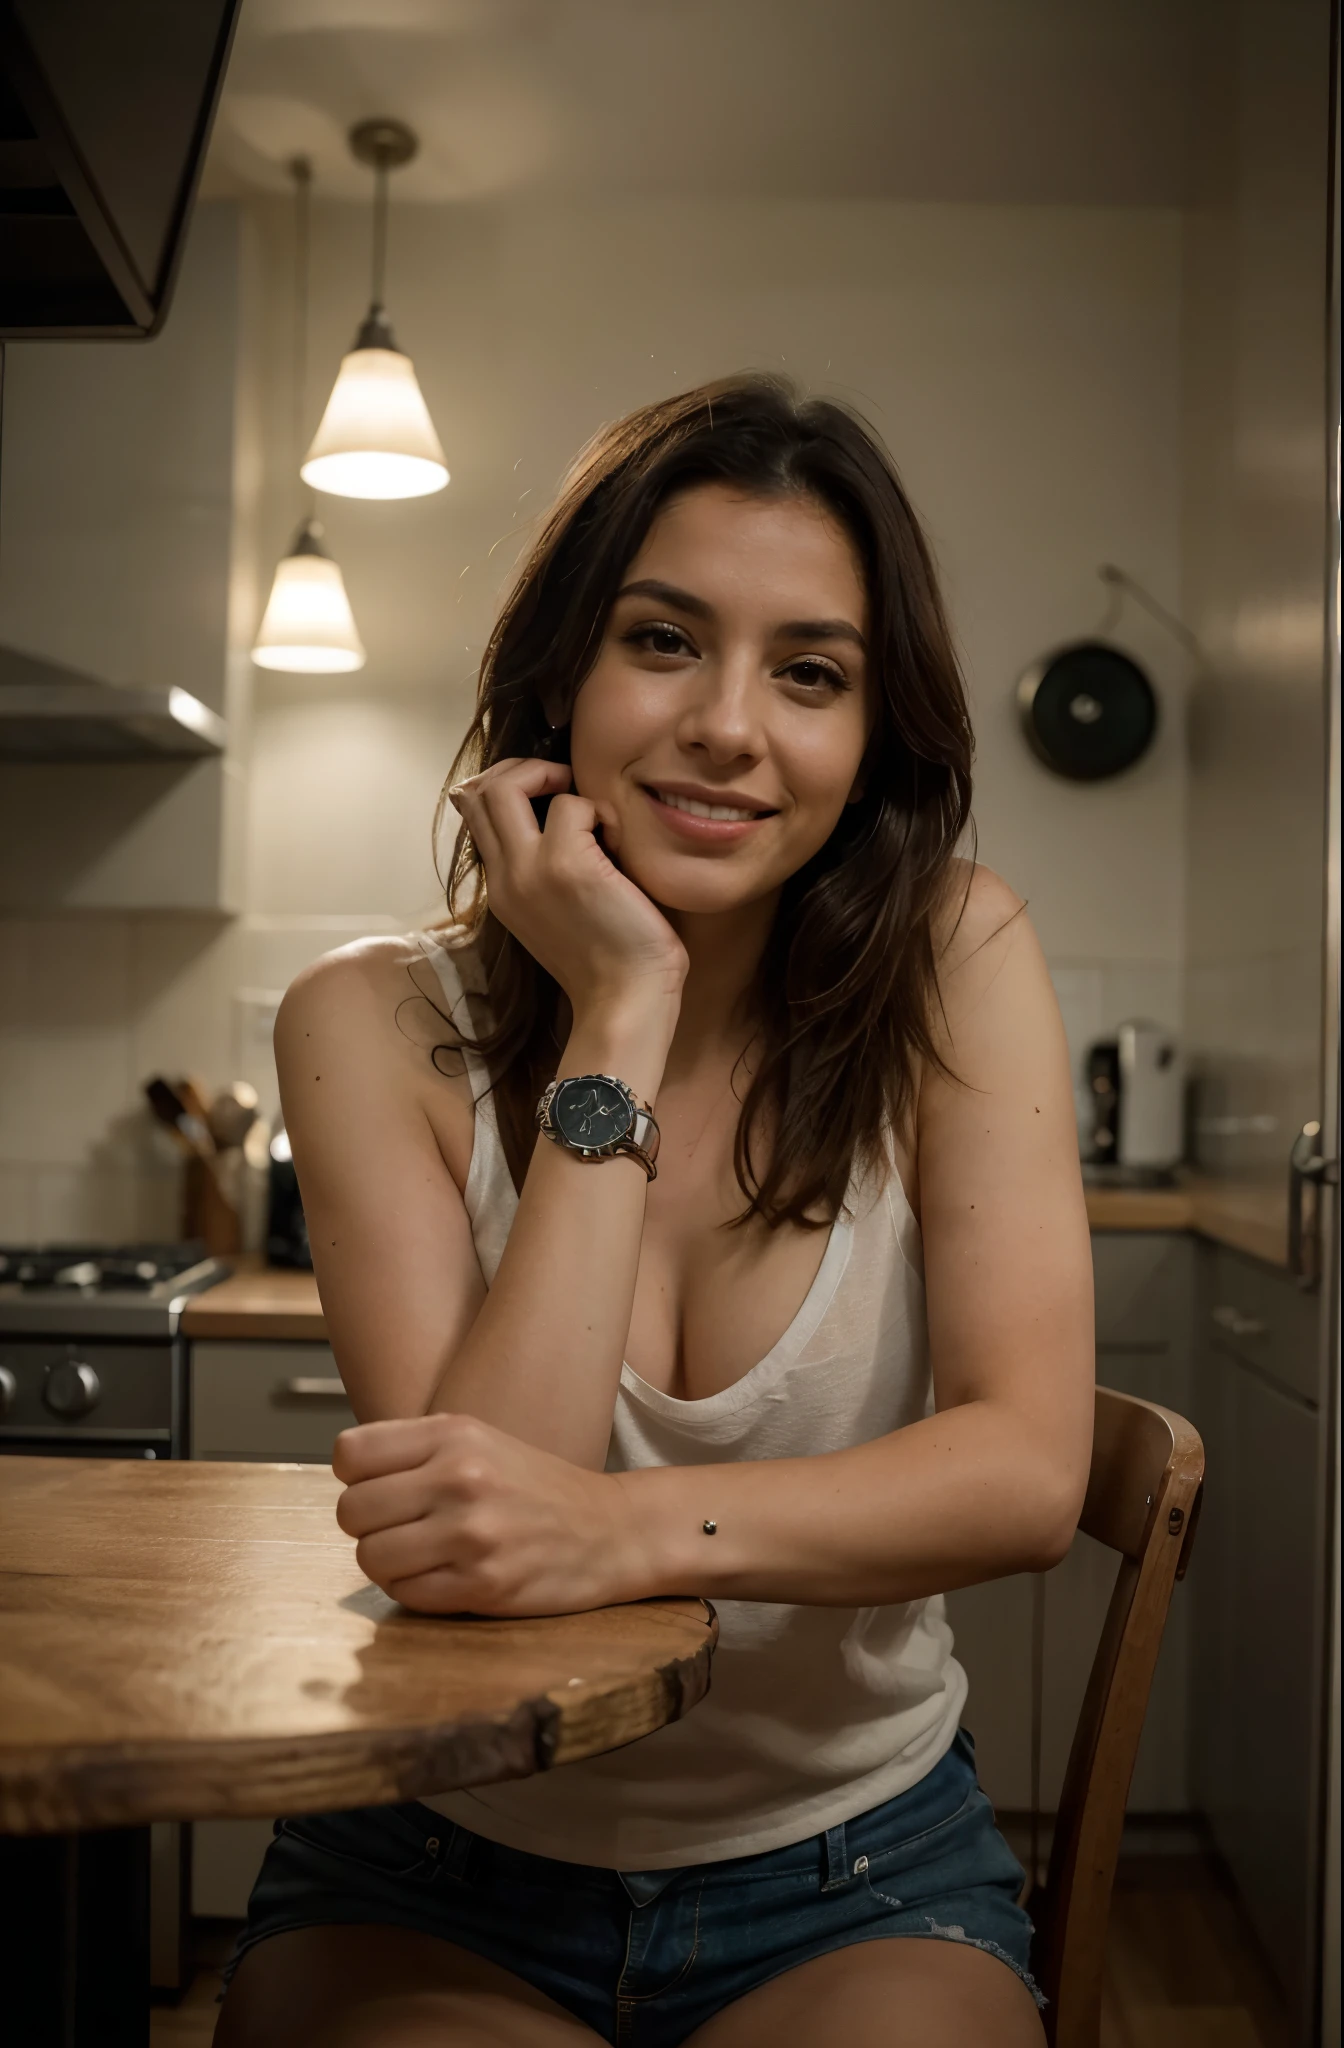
(375, 997)
(979, 911)
(993, 982)
(349, 988)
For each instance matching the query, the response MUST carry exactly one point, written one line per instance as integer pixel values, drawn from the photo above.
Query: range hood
(52, 713)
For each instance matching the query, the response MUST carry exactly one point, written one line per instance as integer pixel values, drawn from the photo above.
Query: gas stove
(82, 1290)
(91, 1360)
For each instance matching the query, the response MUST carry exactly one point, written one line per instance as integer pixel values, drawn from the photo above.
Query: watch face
(589, 1112)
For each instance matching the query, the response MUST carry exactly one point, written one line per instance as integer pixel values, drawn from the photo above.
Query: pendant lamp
(307, 627)
(376, 439)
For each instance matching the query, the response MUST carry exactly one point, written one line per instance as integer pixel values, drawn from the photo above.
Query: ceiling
(1014, 101)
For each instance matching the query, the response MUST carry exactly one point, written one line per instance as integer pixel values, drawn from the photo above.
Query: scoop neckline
(786, 1347)
(782, 1353)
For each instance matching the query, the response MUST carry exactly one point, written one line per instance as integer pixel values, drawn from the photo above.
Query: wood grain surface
(192, 1641)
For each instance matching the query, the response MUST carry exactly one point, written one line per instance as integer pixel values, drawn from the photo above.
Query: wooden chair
(1143, 1500)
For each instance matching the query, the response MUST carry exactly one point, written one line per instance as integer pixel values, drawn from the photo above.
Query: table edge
(69, 1787)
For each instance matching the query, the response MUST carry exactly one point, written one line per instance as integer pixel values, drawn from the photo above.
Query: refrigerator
(1260, 550)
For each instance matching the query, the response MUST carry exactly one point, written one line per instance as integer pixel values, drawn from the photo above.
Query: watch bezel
(610, 1146)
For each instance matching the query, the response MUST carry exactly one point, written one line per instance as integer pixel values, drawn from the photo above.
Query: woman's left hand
(453, 1516)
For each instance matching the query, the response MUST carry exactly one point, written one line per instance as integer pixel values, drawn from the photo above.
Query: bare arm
(994, 1481)
(453, 1515)
(413, 1327)
(370, 1122)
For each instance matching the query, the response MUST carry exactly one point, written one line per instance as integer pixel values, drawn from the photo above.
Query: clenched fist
(454, 1516)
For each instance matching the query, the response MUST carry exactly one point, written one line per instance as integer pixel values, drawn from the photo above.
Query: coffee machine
(1136, 1087)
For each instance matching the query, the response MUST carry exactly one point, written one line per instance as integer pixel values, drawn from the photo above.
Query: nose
(723, 715)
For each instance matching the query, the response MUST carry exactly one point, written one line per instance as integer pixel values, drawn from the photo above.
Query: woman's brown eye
(818, 675)
(658, 639)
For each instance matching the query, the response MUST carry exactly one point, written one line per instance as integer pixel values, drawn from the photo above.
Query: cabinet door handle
(1236, 1324)
(313, 1390)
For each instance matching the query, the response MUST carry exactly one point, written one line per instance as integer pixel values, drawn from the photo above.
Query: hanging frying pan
(1087, 710)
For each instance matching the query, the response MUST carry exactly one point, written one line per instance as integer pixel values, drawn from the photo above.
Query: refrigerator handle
(1307, 1165)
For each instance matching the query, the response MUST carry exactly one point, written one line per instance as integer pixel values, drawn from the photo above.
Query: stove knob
(71, 1389)
(9, 1390)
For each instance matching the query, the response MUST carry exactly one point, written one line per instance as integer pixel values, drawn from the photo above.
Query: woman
(832, 1361)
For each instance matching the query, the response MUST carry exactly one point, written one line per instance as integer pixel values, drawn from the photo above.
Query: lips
(695, 808)
(706, 820)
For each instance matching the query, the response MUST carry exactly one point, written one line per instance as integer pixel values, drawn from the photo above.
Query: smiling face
(722, 727)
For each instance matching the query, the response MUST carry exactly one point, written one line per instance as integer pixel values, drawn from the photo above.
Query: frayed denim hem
(937, 1931)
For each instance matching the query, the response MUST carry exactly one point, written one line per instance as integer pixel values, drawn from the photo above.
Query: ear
(553, 706)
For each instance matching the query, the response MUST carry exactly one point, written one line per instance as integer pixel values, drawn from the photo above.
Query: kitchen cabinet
(1257, 1594)
(1145, 1308)
(259, 1401)
(1257, 1315)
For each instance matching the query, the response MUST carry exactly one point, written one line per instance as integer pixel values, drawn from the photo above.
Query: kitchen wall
(1024, 366)
(128, 491)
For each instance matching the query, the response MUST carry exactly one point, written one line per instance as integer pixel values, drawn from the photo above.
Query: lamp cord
(379, 276)
(301, 170)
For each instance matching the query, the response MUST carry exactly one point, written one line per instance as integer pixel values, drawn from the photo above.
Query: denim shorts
(645, 1957)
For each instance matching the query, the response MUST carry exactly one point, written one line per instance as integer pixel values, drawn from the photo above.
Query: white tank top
(814, 1714)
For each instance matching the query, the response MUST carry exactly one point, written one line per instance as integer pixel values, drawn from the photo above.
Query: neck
(725, 951)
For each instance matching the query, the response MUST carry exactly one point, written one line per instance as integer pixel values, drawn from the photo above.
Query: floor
(1181, 1970)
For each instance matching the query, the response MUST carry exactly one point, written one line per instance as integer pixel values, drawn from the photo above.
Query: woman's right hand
(587, 924)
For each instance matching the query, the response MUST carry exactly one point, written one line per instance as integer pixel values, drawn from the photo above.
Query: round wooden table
(191, 1641)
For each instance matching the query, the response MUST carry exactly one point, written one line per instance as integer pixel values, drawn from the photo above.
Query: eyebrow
(790, 629)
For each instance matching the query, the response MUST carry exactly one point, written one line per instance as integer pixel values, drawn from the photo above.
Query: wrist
(658, 1545)
(653, 1004)
(629, 1038)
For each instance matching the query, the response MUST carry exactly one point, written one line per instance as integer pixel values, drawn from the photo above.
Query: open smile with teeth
(729, 813)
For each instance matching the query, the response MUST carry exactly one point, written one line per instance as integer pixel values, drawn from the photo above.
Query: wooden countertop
(1249, 1217)
(258, 1301)
(186, 1641)
(1138, 1208)
(266, 1301)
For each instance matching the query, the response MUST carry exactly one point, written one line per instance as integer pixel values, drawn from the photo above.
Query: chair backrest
(1143, 1500)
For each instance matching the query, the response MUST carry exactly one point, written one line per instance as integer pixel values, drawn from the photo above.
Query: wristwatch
(595, 1116)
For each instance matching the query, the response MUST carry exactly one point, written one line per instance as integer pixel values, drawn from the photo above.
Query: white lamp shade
(308, 627)
(376, 439)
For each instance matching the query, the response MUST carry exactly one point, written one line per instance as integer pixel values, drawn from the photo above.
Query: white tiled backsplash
(90, 1008)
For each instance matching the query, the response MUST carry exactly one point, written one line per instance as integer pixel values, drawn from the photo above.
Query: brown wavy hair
(847, 986)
